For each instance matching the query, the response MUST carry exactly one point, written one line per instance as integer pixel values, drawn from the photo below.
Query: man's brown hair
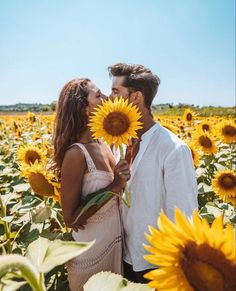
(137, 78)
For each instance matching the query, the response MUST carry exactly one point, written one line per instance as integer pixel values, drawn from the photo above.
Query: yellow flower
(224, 185)
(42, 182)
(227, 132)
(203, 141)
(205, 126)
(115, 122)
(188, 115)
(31, 117)
(191, 255)
(195, 154)
(30, 154)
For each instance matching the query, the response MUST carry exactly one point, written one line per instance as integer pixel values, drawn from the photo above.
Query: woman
(84, 166)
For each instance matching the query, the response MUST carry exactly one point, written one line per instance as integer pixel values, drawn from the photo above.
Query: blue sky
(189, 44)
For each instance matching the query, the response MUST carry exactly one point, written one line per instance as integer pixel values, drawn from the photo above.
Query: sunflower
(188, 115)
(204, 126)
(170, 127)
(194, 152)
(203, 141)
(224, 185)
(227, 132)
(115, 122)
(42, 182)
(31, 117)
(191, 255)
(30, 154)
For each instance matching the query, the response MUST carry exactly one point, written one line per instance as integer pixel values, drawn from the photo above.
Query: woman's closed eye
(99, 94)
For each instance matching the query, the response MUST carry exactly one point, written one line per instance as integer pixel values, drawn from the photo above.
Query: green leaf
(107, 281)
(46, 255)
(21, 187)
(41, 213)
(7, 218)
(97, 199)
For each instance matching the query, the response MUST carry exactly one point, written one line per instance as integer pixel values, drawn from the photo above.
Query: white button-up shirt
(162, 177)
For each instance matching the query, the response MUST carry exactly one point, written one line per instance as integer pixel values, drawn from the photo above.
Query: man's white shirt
(162, 177)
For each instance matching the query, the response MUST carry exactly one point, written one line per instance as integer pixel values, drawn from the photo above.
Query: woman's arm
(72, 173)
(121, 176)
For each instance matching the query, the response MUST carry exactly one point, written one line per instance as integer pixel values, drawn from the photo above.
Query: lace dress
(104, 226)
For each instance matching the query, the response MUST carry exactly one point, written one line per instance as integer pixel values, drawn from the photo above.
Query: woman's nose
(104, 97)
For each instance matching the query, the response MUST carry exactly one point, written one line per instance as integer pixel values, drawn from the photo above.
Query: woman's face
(95, 97)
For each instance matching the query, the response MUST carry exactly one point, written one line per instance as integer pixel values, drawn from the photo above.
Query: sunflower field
(30, 212)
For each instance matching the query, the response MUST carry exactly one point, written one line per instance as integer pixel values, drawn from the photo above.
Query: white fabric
(162, 177)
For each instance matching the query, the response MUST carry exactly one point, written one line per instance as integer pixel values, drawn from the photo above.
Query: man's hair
(137, 78)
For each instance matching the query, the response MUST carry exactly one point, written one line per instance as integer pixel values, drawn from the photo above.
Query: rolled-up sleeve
(180, 182)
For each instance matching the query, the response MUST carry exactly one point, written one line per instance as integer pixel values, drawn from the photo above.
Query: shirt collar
(150, 131)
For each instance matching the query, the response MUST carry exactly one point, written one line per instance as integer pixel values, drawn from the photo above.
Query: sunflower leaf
(95, 199)
(46, 254)
(106, 281)
(21, 187)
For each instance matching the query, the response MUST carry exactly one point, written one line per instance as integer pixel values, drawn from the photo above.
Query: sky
(189, 44)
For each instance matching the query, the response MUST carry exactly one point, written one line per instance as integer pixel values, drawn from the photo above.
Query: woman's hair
(71, 119)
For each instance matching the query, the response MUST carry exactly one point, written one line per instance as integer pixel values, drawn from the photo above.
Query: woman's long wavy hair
(71, 119)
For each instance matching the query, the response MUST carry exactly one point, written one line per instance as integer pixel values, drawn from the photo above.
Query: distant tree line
(32, 107)
(160, 109)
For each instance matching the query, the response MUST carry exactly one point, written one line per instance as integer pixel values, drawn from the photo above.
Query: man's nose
(111, 96)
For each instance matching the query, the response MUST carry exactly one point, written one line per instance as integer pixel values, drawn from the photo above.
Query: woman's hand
(121, 176)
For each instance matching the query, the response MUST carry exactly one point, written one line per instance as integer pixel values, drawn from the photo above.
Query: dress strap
(89, 160)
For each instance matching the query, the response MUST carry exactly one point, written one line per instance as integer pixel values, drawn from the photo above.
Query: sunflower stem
(126, 198)
(6, 226)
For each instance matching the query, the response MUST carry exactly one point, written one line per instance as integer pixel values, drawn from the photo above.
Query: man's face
(118, 89)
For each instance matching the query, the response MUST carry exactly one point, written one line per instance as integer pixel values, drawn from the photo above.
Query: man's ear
(137, 97)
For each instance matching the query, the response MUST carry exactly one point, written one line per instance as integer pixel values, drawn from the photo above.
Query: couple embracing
(158, 167)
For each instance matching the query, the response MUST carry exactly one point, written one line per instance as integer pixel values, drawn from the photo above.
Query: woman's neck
(86, 137)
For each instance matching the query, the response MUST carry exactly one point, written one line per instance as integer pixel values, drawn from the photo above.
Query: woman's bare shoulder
(74, 155)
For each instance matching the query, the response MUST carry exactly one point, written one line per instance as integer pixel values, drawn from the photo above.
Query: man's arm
(180, 182)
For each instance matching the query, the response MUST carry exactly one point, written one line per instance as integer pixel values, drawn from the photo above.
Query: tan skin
(74, 168)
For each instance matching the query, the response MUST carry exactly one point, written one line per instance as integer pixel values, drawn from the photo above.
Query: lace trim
(88, 263)
(89, 161)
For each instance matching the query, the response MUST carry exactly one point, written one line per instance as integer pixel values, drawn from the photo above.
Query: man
(162, 171)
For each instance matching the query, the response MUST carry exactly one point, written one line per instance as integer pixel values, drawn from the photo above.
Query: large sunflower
(203, 141)
(227, 132)
(42, 182)
(30, 154)
(224, 185)
(115, 122)
(191, 255)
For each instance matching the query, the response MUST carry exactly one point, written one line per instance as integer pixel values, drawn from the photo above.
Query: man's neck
(148, 122)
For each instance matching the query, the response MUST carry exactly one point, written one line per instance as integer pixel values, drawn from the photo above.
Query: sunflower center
(189, 117)
(205, 127)
(205, 141)
(227, 181)
(207, 268)
(40, 184)
(116, 123)
(31, 157)
(229, 130)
